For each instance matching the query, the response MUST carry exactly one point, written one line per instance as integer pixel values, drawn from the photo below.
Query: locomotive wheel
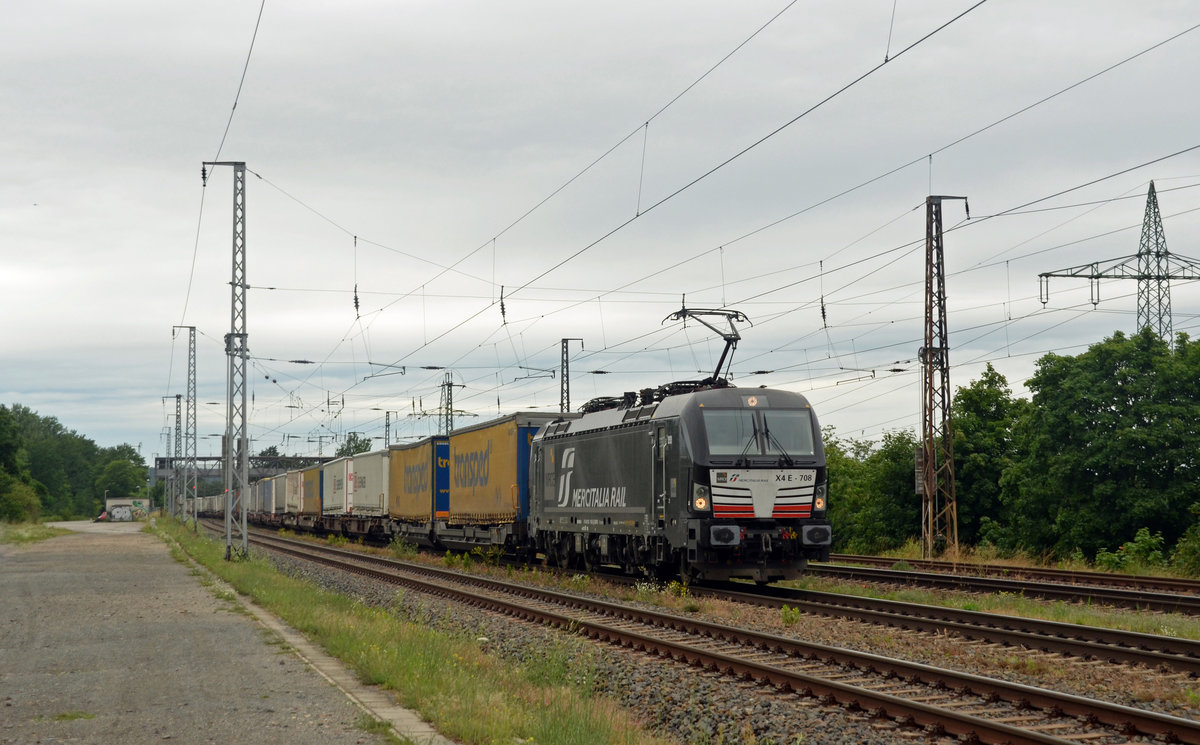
(591, 560)
(558, 553)
(687, 572)
(551, 555)
(666, 571)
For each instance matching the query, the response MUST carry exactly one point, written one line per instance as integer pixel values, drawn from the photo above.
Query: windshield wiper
(752, 441)
(782, 450)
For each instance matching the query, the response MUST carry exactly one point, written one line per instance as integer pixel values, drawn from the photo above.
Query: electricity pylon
(939, 502)
(1153, 267)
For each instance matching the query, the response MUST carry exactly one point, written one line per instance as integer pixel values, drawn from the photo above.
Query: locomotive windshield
(740, 432)
(731, 432)
(787, 432)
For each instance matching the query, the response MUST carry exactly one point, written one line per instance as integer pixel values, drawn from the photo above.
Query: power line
(200, 212)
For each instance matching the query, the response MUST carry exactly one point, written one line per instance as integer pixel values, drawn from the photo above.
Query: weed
(789, 616)
(646, 591)
(1193, 697)
(402, 549)
(373, 726)
(489, 556)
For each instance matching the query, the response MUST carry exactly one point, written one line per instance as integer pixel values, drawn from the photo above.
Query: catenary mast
(236, 444)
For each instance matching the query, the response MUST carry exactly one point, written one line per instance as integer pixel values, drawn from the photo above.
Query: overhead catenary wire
(686, 186)
(723, 284)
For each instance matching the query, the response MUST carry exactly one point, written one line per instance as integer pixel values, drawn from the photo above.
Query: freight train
(701, 481)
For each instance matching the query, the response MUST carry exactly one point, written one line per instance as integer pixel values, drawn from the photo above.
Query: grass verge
(465, 693)
(1007, 603)
(24, 533)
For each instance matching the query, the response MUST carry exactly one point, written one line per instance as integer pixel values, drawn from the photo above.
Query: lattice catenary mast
(236, 444)
(564, 390)
(189, 435)
(175, 508)
(1153, 267)
(939, 504)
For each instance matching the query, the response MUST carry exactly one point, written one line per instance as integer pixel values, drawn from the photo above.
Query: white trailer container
(292, 491)
(278, 492)
(338, 486)
(370, 477)
(260, 496)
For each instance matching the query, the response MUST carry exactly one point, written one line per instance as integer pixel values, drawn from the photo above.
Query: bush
(403, 549)
(1186, 557)
(1110, 561)
(1145, 551)
(18, 501)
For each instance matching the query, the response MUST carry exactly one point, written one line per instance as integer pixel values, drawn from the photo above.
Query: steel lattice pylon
(564, 388)
(446, 409)
(1153, 267)
(189, 431)
(236, 446)
(939, 504)
(1154, 270)
(174, 508)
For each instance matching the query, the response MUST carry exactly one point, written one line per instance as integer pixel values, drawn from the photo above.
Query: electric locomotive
(704, 480)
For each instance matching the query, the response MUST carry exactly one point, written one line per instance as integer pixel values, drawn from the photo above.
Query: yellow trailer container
(489, 468)
(417, 473)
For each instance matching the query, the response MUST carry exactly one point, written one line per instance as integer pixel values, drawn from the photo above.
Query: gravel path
(105, 639)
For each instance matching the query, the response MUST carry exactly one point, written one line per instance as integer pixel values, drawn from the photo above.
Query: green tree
(1111, 447)
(18, 491)
(873, 502)
(845, 460)
(353, 445)
(10, 442)
(894, 512)
(985, 416)
(18, 501)
(120, 479)
(265, 458)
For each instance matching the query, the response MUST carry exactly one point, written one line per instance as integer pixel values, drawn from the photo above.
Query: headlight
(819, 498)
(700, 497)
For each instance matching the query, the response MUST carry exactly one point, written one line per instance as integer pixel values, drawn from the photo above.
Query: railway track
(1119, 597)
(1175, 585)
(943, 702)
(1086, 642)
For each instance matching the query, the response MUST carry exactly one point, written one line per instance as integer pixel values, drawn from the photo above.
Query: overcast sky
(488, 179)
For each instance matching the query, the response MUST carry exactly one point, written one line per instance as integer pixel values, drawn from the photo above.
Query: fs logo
(725, 478)
(568, 467)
